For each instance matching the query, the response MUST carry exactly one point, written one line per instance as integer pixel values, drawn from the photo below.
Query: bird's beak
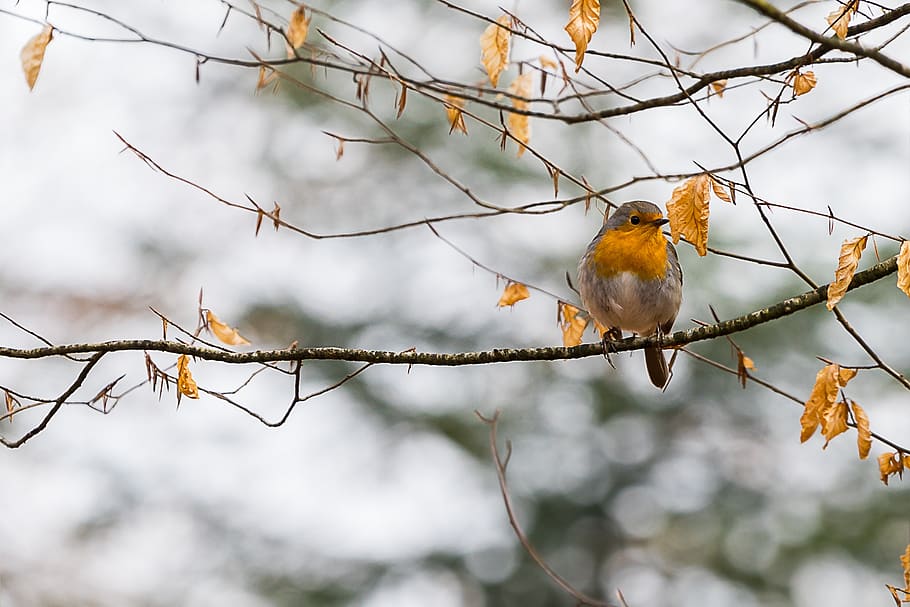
(660, 222)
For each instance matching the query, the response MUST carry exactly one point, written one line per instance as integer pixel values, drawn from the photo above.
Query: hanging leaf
(803, 82)
(584, 16)
(186, 385)
(298, 27)
(513, 293)
(850, 252)
(863, 433)
(32, 55)
(718, 86)
(226, 334)
(839, 18)
(494, 47)
(824, 393)
(519, 124)
(453, 107)
(688, 212)
(572, 325)
(890, 464)
(903, 268)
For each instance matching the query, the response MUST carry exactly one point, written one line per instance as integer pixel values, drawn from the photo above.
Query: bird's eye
(634, 220)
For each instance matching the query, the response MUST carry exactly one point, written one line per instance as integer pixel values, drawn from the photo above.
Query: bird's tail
(658, 370)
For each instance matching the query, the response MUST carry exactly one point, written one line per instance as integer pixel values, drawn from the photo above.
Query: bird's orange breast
(642, 252)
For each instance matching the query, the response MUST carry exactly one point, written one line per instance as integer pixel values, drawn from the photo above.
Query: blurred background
(383, 492)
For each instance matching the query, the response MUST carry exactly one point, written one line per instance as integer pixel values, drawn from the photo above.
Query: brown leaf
(889, 464)
(905, 565)
(803, 82)
(850, 252)
(298, 27)
(719, 191)
(584, 16)
(32, 55)
(186, 385)
(572, 325)
(719, 86)
(402, 100)
(547, 63)
(839, 18)
(824, 393)
(513, 293)
(453, 107)
(494, 47)
(744, 364)
(688, 212)
(863, 433)
(519, 124)
(226, 334)
(834, 422)
(903, 268)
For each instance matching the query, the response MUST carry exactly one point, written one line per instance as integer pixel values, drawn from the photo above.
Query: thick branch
(499, 355)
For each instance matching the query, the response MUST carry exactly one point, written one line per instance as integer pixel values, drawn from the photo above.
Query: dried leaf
(719, 191)
(889, 464)
(402, 100)
(834, 422)
(744, 364)
(823, 395)
(298, 27)
(863, 433)
(903, 268)
(494, 47)
(226, 334)
(850, 252)
(513, 293)
(519, 124)
(839, 18)
(584, 16)
(688, 212)
(547, 63)
(719, 86)
(803, 82)
(32, 55)
(572, 325)
(905, 565)
(453, 107)
(186, 385)
(894, 594)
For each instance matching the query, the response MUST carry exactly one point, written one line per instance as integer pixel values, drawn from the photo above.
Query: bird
(630, 279)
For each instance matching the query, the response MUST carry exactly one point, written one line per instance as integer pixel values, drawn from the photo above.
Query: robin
(630, 279)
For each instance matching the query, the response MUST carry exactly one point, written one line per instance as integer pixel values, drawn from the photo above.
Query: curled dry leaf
(905, 565)
(32, 55)
(494, 47)
(512, 294)
(718, 86)
(186, 385)
(519, 124)
(824, 393)
(548, 63)
(863, 433)
(890, 464)
(226, 334)
(903, 268)
(453, 107)
(584, 16)
(839, 18)
(850, 252)
(719, 191)
(688, 212)
(744, 364)
(834, 422)
(803, 82)
(571, 323)
(298, 27)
